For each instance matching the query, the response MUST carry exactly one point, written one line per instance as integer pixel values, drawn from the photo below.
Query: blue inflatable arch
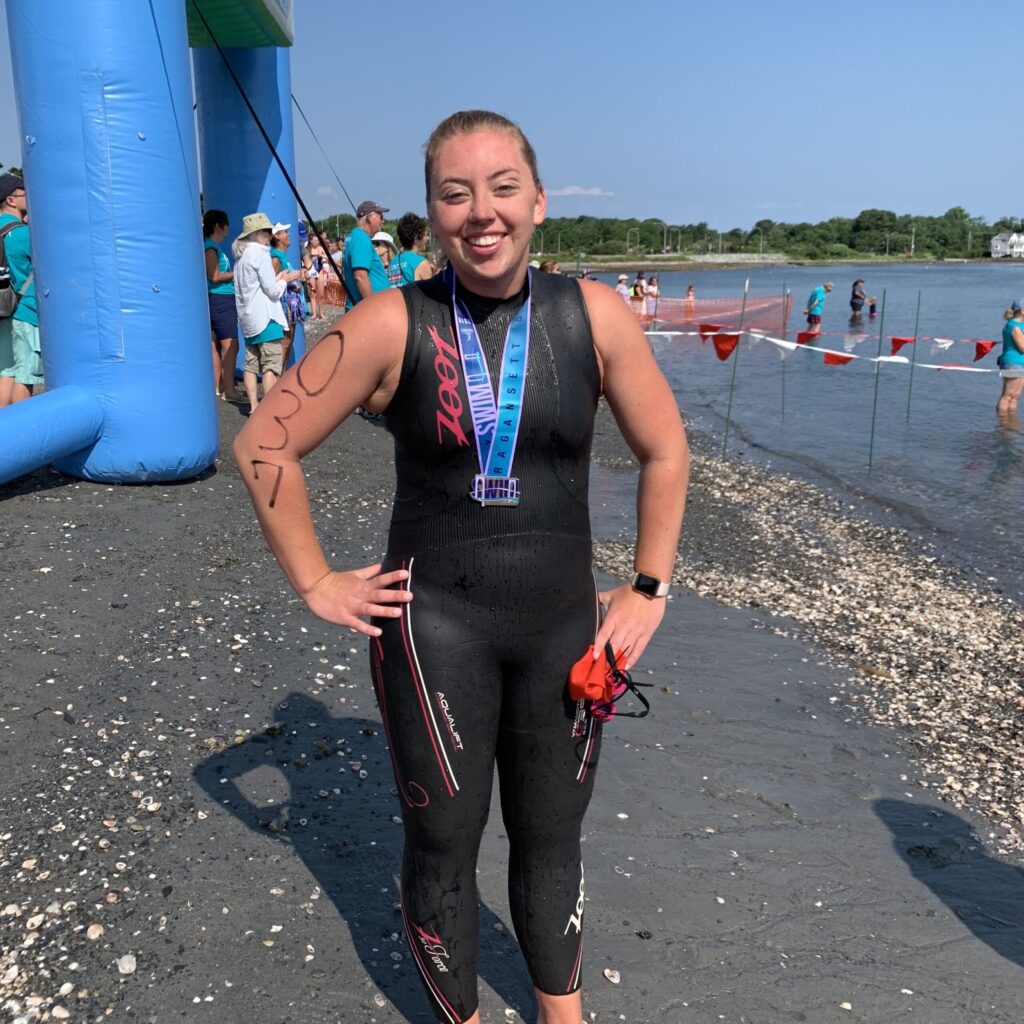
(108, 142)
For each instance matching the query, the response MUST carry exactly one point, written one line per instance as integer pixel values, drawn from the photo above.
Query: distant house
(1008, 244)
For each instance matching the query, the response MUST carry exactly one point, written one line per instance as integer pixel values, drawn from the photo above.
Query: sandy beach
(820, 820)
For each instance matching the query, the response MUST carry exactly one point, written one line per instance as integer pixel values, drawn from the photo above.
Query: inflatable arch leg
(105, 110)
(240, 175)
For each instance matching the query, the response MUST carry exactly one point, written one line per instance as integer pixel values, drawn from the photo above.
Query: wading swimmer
(1011, 359)
(488, 377)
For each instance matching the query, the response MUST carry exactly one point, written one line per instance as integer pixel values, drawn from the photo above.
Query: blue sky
(728, 112)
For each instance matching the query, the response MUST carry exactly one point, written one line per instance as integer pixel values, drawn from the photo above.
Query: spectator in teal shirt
(362, 267)
(21, 365)
(220, 289)
(280, 243)
(1011, 359)
(815, 306)
(413, 232)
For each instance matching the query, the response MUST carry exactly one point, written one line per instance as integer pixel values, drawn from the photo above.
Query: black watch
(649, 586)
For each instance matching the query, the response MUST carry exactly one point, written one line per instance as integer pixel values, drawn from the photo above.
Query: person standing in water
(816, 306)
(477, 613)
(690, 302)
(1011, 359)
(857, 299)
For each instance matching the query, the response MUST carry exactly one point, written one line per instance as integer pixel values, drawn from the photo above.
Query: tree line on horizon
(953, 234)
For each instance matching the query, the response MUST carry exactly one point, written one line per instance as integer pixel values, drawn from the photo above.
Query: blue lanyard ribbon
(495, 421)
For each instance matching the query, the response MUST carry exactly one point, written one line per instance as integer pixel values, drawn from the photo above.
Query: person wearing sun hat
(258, 292)
(384, 246)
(622, 287)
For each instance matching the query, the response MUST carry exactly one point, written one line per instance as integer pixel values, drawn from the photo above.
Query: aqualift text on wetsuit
(443, 701)
(448, 398)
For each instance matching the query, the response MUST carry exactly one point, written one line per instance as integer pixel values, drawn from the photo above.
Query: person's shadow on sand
(342, 828)
(943, 853)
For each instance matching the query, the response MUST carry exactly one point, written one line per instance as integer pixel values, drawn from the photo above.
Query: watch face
(646, 584)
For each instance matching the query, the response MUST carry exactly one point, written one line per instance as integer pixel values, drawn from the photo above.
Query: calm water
(951, 472)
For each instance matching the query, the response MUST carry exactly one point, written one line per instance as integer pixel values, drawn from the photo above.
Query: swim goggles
(601, 682)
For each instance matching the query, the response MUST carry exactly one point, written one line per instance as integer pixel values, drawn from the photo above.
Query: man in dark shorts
(815, 306)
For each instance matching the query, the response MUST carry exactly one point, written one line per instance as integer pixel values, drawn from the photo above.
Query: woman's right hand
(345, 597)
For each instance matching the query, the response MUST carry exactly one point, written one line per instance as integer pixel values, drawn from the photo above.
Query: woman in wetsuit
(488, 377)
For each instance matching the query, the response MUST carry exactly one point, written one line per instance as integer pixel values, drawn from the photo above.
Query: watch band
(649, 586)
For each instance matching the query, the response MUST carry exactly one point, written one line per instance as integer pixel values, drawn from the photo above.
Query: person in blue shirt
(816, 305)
(1011, 359)
(21, 366)
(220, 289)
(294, 307)
(361, 266)
(410, 263)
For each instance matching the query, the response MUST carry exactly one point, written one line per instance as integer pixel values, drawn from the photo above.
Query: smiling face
(484, 205)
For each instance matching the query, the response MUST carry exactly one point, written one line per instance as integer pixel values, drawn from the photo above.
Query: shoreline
(185, 748)
(624, 266)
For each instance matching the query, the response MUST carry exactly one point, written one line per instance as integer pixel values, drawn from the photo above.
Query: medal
(495, 490)
(495, 420)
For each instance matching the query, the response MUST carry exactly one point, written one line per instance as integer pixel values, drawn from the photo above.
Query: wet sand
(198, 810)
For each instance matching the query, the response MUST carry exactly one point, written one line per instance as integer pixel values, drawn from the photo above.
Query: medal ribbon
(495, 422)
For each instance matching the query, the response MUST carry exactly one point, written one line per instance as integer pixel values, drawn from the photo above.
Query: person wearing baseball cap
(21, 366)
(816, 306)
(368, 206)
(622, 287)
(362, 268)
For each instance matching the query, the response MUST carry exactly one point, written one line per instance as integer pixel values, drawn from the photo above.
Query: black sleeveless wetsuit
(474, 672)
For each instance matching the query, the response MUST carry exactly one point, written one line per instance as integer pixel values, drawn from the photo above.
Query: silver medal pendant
(495, 490)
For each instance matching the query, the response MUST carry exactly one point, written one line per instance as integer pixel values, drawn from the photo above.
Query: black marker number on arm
(277, 479)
